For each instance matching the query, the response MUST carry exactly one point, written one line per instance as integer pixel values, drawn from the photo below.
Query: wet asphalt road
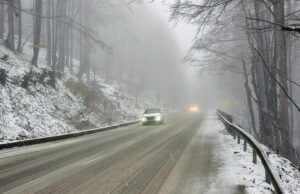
(176, 157)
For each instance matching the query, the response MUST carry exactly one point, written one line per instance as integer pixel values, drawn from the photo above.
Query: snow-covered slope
(252, 176)
(31, 107)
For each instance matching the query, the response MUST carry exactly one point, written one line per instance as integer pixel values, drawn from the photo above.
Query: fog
(140, 51)
(145, 56)
(146, 53)
(177, 54)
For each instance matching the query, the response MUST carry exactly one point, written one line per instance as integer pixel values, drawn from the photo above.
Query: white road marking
(90, 161)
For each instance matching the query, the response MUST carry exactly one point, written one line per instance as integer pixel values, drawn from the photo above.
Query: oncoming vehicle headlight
(157, 118)
(144, 119)
(194, 109)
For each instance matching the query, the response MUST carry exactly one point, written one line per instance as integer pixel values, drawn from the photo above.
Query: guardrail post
(268, 178)
(231, 132)
(245, 145)
(238, 139)
(254, 157)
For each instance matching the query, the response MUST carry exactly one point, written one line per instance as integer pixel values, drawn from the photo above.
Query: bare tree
(61, 36)
(2, 20)
(283, 136)
(49, 43)
(37, 31)
(81, 70)
(19, 48)
(54, 36)
(249, 100)
(10, 40)
(71, 40)
(268, 50)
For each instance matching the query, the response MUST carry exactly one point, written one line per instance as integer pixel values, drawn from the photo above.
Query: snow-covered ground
(33, 112)
(41, 110)
(238, 167)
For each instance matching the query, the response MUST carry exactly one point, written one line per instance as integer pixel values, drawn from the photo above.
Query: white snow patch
(240, 170)
(38, 111)
(44, 111)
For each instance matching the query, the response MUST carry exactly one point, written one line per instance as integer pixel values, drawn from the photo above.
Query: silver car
(153, 116)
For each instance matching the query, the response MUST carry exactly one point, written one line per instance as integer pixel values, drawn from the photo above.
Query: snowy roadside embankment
(252, 176)
(31, 106)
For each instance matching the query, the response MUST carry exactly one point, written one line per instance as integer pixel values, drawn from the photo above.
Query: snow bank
(288, 172)
(36, 111)
(240, 169)
(41, 110)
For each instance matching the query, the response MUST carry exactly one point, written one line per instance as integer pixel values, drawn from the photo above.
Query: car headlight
(157, 118)
(144, 119)
(194, 109)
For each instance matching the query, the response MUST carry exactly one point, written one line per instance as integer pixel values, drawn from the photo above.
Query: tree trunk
(20, 27)
(282, 136)
(249, 100)
(265, 117)
(49, 45)
(37, 31)
(87, 50)
(71, 38)
(10, 40)
(54, 36)
(291, 94)
(67, 46)
(290, 74)
(80, 73)
(61, 37)
(67, 37)
(71, 49)
(2, 20)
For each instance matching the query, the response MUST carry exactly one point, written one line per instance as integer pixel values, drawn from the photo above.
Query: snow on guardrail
(62, 136)
(237, 132)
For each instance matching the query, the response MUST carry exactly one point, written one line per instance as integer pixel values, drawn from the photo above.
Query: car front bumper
(151, 120)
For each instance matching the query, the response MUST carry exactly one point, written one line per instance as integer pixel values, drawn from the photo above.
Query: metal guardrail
(237, 133)
(60, 137)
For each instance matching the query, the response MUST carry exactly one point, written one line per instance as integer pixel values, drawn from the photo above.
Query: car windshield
(152, 110)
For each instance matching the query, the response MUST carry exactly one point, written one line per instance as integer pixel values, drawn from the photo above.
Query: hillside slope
(32, 105)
